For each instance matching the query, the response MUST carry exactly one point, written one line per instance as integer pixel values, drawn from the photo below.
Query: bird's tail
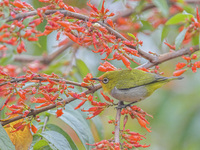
(175, 78)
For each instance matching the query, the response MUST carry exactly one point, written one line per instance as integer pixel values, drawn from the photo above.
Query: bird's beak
(95, 79)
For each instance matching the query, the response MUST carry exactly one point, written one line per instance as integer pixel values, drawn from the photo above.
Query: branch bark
(117, 120)
(44, 79)
(171, 55)
(43, 59)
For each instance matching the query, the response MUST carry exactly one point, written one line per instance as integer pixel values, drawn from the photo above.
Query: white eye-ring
(105, 80)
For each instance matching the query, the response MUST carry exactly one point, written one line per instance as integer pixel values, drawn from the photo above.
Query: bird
(132, 85)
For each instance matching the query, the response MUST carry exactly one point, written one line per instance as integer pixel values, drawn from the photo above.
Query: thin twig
(43, 59)
(117, 120)
(45, 122)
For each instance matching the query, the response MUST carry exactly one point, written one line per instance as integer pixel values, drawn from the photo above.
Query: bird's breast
(129, 95)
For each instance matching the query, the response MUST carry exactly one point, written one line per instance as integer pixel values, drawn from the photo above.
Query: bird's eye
(105, 80)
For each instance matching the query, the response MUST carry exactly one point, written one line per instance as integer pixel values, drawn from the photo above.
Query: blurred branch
(70, 65)
(34, 112)
(43, 59)
(129, 12)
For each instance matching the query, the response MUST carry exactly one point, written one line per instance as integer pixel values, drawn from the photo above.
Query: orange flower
(59, 112)
(179, 72)
(33, 128)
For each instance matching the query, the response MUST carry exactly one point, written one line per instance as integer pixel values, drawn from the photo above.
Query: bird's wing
(137, 79)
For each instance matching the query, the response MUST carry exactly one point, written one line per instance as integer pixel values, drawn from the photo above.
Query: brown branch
(37, 111)
(117, 121)
(170, 55)
(52, 56)
(43, 79)
(43, 59)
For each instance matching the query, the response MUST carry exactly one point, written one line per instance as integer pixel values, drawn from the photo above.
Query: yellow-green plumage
(132, 85)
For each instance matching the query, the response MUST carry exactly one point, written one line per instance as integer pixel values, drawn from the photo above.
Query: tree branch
(43, 79)
(37, 111)
(43, 59)
(117, 121)
(170, 55)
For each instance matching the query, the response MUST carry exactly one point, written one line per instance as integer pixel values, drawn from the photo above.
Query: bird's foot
(122, 105)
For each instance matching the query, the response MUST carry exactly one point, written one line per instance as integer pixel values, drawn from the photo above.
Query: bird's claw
(122, 105)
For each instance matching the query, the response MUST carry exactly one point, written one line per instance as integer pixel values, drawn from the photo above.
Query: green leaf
(96, 120)
(131, 35)
(163, 6)
(179, 39)
(27, 20)
(196, 53)
(178, 18)
(5, 142)
(165, 32)
(76, 121)
(199, 40)
(56, 140)
(82, 68)
(180, 1)
(6, 60)
(55, 67)
(98, 124)
(100, 5)
(56, 128)
(146, 25)
(40, 145)
(2, 21)
(6, 12)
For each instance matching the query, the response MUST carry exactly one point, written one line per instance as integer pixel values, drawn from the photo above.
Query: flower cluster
(99, 14)
(180, 67)
(138, 113)
(44, 92)
(98, 107)
(128, 138)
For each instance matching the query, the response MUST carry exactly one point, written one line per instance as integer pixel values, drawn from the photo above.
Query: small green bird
(132, 85)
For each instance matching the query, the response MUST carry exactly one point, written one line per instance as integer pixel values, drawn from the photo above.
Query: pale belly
(130, 95)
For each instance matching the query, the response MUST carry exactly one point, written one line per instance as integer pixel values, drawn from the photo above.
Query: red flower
(33, 128)
(179, 72)
(59, 112)
(180, 65)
